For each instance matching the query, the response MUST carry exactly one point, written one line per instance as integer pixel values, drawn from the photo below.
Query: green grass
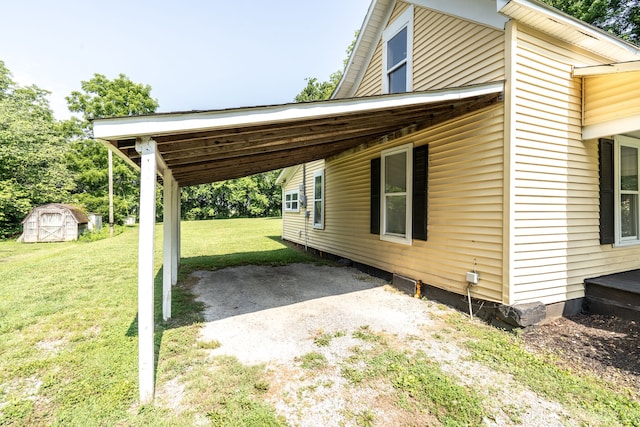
(593, 401)
(421, 385)
(312, 360)
(68, 329)
(68, 344)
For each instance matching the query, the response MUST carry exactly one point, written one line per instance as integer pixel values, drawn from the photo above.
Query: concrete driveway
(271, 314)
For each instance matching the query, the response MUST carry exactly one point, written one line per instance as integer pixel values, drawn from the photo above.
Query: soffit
(569, 29)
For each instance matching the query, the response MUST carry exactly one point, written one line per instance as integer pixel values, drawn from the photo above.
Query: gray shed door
(51, 227)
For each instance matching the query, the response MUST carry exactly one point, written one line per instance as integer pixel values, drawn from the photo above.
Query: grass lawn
(68, 343)
(68, 331)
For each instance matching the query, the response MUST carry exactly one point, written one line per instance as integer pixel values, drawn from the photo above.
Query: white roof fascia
(377, 17)
(163, 124)
(614, 68)
(609, 46)
(478, 11)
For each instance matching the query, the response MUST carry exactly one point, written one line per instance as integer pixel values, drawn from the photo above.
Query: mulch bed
(605, 346)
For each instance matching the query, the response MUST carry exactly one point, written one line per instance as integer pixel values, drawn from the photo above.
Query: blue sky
(196, 55)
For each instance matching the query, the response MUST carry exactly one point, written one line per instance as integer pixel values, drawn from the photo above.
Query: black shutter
(607, 212)
(375, 196)
(420, 171)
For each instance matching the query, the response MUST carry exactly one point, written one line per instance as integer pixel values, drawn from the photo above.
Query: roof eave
(286, 174)
(366, 42)
(593, 39)
(118, 128)
(613, 68)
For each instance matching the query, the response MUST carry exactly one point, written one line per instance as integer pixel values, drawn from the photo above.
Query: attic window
(397, 50)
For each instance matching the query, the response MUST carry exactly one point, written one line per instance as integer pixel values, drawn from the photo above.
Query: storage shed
(54, 222)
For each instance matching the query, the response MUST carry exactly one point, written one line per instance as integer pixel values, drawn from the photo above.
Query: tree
(619, 17)
(252, 196)
(318, 91)
(32, 150)
(102, 97)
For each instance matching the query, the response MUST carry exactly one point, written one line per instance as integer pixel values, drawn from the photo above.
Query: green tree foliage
(619, 17)
(102, 97)
(252, 196)
(32, 150)
(318, 91)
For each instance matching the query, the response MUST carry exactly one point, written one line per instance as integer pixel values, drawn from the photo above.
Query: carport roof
(207, 146)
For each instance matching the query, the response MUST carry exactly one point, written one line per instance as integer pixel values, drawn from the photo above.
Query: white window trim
(318, 224)
(402, 21)
(406, 239)
(632, 142)
(284, 201)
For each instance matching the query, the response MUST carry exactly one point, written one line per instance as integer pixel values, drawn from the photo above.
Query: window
(626, 189)
(397, 54)
(318, 199)
(291, 201)
(399, 194)
(619, 191)
(396, 194)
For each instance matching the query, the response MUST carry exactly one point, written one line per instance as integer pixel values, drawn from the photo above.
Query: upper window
(318, 199)
(291, 202)
(627, 193)
(396, 194)
(397, 49)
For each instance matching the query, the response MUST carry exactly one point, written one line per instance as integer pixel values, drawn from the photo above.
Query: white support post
(168, 243)
(146, 348)
(175, 205)
(178, 225)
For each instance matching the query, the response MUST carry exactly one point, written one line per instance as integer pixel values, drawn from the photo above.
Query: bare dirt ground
(605, 346)
(274, 316)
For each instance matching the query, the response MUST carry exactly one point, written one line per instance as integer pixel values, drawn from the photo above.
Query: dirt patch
(605, 346)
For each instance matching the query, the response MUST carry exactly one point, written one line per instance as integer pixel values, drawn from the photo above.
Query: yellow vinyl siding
(610, 97)
(296, 227)
(450, 52)
(447, 52)
(464, 207)
(555, 235)
(372, 81)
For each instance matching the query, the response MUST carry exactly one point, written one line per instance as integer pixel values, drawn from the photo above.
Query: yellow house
(485, 148)
(514, 202)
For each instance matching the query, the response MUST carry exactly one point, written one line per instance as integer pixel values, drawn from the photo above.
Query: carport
(190, 148)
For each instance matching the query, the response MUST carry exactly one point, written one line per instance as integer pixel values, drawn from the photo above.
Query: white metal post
(169, 238)
(146, 348)
(174, 226)
(111, 221)
(178, 225)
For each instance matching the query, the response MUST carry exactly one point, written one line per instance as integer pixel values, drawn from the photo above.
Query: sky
(195, 54)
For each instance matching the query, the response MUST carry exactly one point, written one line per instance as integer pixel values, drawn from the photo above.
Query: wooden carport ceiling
(306, 132)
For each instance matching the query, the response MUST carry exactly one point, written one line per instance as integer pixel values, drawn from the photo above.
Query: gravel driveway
(274, 315)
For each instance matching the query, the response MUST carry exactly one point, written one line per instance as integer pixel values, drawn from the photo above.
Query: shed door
(51, 227)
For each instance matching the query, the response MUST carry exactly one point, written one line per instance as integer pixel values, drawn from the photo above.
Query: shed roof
(207, 146)
(76, 212)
